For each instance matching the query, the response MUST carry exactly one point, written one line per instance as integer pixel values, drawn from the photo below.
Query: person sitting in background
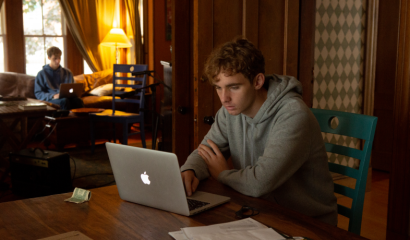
(48, 81)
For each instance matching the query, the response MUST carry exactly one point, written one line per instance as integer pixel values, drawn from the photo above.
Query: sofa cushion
(102, 102)
(91, 81)
(103, 90)
(17, 84)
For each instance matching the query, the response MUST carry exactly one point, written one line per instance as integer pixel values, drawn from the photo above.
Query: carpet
(92, 170)
(88, 170)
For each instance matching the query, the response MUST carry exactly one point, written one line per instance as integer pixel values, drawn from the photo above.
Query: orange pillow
(96, 79)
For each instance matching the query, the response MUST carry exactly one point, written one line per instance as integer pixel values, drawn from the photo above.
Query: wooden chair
(136, 97)
(357, 126)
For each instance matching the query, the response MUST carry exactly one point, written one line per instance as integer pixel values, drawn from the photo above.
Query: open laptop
(70, 90)
(152, 178)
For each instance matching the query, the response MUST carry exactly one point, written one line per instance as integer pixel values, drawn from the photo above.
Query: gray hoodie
(278, 155)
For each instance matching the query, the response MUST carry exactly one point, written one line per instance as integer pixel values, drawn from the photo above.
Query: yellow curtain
(89, 21)
(132, 8)
(1, 3)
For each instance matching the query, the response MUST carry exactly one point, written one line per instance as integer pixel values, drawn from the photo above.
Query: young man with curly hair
(48, 81)
(272, 137)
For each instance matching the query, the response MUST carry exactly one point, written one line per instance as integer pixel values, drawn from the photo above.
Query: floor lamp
(116, 38)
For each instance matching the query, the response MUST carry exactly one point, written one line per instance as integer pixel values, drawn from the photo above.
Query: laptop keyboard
(194, 204)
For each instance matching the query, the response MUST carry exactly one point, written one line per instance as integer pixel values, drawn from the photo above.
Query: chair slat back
(358, 126)
(137, 82)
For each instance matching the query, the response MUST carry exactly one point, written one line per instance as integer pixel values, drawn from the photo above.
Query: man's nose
(225, 96)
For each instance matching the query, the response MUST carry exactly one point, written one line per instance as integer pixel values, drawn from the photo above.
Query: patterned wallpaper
(338, 71)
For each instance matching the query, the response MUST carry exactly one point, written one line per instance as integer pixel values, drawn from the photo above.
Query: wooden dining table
(107, 216)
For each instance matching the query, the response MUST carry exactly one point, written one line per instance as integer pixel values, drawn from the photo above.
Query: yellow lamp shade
(116, 38)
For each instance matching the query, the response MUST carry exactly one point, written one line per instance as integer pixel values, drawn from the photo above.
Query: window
(43, 28)
(87, 69)
(2, 35)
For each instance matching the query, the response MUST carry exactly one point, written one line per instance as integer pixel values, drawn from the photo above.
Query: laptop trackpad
(210, 198)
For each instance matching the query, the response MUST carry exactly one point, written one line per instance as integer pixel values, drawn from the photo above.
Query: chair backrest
(134, 82)
(361, 127)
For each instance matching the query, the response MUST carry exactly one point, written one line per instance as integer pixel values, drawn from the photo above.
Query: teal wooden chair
(357, 126)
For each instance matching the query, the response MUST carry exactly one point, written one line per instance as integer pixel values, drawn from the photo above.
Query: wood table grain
(106, 216)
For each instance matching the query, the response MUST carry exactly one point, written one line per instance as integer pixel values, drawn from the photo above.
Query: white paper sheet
(241, 229)
(178, 235)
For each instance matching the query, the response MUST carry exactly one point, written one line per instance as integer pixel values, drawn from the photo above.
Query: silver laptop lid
(148, 177)
(70, 90)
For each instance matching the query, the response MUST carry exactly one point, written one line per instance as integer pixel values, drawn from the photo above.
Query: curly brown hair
(53, 51)
(237, 56)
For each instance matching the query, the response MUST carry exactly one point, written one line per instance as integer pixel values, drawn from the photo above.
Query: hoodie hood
(280, 89)
(54, 77)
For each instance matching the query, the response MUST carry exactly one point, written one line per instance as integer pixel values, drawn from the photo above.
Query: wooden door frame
(370, 57)
(399, 188)
(307, 43)
(202, 46)
(181, 62)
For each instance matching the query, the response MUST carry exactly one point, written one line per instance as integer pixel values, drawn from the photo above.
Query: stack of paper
(241, 229)
(33, 106)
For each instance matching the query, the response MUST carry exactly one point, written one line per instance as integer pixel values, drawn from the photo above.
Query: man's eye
(235, 88)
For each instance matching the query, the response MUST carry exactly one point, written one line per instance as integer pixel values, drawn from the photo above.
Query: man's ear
(258, 81)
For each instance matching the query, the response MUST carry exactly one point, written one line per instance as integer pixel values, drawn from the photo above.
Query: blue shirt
(48, 82)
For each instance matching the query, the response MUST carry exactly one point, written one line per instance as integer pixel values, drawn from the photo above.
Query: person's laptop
(152, 178)
(70, 90)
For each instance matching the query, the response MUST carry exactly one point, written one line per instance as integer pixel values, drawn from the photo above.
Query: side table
(74, 129)
(10, 110)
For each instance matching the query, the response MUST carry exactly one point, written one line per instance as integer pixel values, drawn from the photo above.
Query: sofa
(97, 92)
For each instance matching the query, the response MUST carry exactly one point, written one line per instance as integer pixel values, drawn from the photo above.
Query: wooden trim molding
(15, 57)
(249, 21)
(203, 43)
(370, 58)
(399, 189)
(291, 38)
(307, 49)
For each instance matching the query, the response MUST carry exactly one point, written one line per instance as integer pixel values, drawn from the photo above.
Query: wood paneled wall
(275, 27)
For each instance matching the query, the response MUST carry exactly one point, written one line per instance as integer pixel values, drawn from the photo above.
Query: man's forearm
(197, 164)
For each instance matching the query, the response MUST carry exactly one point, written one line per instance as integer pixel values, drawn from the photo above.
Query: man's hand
(190, 181)
(56, 96)
(215, 160)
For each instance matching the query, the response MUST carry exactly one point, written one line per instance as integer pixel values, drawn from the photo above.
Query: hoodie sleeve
(287, 149)
(218, 135)
(41, 89)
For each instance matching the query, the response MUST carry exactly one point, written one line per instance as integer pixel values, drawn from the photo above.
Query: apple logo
(145, 179)
(71, 90)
